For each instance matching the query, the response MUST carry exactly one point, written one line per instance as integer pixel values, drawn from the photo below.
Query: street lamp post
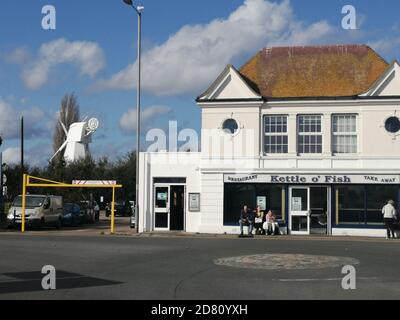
(139, 10)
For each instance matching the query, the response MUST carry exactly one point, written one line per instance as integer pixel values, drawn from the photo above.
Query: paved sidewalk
(269, 238)
(103, 227)
(123, 229)
(126, 232)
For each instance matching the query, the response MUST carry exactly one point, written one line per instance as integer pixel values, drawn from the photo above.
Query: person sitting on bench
(246, 219)
(270, 225)
(259, 221)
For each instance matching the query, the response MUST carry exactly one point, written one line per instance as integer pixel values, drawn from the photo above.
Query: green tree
(122, 170)
(69, 114)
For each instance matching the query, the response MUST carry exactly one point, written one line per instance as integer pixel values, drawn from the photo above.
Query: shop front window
(362, 205)
(377, 197)
(351, 204)
(237, 195)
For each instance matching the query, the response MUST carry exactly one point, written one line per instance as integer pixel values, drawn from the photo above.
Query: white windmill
(78, 138)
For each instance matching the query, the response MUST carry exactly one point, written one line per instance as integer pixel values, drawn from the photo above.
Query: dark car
(87, 212)
(121, 208)
(71, 215)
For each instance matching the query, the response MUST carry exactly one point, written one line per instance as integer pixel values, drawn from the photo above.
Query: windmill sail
(78, 138)
(59, 150)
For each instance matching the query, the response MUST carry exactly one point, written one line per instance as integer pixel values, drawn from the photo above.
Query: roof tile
(314, 71)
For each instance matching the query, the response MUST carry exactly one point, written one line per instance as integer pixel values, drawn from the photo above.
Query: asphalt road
(103, 267)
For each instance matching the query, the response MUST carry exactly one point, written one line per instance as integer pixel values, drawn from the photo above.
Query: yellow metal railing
(45, 183)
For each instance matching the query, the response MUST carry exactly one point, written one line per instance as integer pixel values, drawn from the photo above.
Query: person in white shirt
(389, 216)
(270, 223)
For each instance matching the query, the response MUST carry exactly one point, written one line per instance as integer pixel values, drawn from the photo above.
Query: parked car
(71, 215)
(83, 217)
(87, 212)
(121, 208)
(40, 211)
(124, 209)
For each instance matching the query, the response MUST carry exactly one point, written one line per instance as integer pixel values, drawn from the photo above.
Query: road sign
(95, 182)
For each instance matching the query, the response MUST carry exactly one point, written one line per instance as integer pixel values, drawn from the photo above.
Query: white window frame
(310, 134)
(345, 134)
(275, 134)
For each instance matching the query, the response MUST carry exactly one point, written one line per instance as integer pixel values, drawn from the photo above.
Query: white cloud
(35, 156)
(128, 121)
(88, 56)
(191, 58)
(12, 155)
(386, 46)
(18, 56)
(34, 121)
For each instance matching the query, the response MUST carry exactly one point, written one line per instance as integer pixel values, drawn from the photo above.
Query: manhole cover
(286, 262)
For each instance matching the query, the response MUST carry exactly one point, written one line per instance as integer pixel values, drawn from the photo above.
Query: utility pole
(22, 152)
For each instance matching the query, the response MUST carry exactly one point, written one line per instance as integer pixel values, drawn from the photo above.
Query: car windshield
(31, 201)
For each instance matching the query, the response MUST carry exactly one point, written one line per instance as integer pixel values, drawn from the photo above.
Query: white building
(308, 132)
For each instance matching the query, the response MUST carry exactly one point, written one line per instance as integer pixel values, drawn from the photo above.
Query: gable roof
(384, 80)
(314, 71)
(224, 79)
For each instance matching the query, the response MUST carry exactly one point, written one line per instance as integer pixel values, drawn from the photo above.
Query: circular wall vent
(392, 125)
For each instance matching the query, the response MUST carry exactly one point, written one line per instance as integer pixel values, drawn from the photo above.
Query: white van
(40, 211)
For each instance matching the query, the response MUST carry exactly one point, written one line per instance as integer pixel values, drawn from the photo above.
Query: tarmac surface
(193, 267)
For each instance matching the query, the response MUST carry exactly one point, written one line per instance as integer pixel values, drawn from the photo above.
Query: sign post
(113, 211)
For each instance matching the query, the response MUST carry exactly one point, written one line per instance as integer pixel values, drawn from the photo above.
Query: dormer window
(230, 126)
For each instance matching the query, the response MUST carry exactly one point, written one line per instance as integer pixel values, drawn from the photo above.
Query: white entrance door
(161, 207)
(299, 208)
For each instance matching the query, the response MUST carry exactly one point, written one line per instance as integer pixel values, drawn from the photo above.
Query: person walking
(389, 216)
(97, 212)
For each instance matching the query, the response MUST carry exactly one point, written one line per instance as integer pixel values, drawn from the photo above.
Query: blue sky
(186, 44)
